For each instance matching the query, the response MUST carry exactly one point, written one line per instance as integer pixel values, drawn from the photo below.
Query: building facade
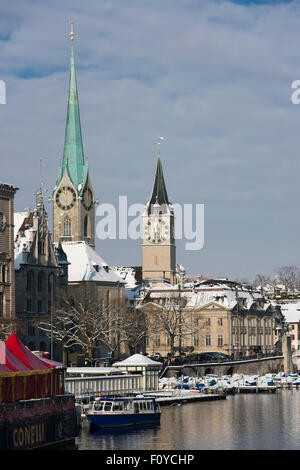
(215, 316)
(37, 274)
(7, 270)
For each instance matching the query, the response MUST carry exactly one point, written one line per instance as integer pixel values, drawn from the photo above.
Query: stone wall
(252, 367)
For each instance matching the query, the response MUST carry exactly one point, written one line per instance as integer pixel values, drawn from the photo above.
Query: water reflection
(256, 421)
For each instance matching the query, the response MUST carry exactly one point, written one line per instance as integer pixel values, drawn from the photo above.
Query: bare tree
(261, 280)
(82, 320)
(173, 320)
(62, 329)
(289, 276)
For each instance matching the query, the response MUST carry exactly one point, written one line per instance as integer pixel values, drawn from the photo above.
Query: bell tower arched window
(67, 227)
(85, 226)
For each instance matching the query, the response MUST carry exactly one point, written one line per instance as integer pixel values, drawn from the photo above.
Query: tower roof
(159, 193)
(73, 158)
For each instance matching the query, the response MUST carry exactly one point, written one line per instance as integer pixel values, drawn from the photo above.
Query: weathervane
(158, 145)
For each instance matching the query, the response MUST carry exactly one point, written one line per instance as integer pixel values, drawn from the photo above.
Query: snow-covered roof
(222, 293)
(137, 360)
(127, 274)
(19, 218)
(291, 312)
(23, 239)
(87, 265)
(92, 370)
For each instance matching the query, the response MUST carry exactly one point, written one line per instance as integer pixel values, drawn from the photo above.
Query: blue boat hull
(113, 420)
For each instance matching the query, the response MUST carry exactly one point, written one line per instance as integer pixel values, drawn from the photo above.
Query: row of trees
(289, 276)
(83, 322)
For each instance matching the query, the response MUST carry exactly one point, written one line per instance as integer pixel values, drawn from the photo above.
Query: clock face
(87, 200)
(65, 198)
(156, 230)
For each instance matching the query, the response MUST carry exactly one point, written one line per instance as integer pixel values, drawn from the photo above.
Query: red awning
(23, 354)
(4, 368)
(8, 359)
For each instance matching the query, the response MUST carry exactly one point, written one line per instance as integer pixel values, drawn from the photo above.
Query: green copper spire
(73, 158)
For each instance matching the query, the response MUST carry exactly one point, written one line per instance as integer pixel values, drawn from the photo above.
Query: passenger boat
(116, 412)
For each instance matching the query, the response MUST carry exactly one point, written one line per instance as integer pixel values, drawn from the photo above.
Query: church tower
(73, 196)
(158, 248)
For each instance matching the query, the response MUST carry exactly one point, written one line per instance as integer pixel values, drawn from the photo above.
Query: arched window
(41, 281)
(67, 227)
(50, 283)
(30, 280)
(31, 346)
(85, 226)
(4, 273)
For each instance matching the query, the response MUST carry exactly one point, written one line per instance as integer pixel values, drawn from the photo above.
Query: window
(108, 406)
(41, 280)
(67, 227)
(40, 305)
(30, 329)
(220, 340)
(1, 221)
(207, 321)
(29, 305)
(196, 340)
(1, 304)
(220, 321)
(207, 340)
(3, 273)
(30, 280)
(50, 283)
(85, 226)
(157, 340)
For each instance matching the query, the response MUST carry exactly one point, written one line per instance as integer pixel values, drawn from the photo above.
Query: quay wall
(249, 367)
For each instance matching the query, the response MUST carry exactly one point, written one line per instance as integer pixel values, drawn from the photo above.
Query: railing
(94, 386)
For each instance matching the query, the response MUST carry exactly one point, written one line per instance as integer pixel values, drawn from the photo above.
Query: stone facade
(7, 271)
(242, 324)
(37, 276)
(74, 221)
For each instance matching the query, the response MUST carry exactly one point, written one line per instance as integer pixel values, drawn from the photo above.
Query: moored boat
(118, 412)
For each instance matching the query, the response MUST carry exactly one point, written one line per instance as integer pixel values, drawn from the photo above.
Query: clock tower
(158, 248)
(73, 196)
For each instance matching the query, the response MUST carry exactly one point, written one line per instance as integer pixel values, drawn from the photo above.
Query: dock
(169, 398)
(254, 389)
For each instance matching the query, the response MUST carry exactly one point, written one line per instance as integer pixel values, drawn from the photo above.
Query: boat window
(98, 406)
(107, 406)
(136, 407)
(150, 405)
(126, 405)
(118, 406)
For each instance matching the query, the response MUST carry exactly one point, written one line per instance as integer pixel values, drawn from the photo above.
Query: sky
(213, 77)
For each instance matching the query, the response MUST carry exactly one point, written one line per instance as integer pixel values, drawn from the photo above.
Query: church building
(73, 202)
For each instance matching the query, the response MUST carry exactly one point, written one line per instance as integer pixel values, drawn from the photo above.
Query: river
(241, 422)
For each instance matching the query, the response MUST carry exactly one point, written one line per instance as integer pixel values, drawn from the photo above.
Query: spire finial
(158, 145)
(72, 32)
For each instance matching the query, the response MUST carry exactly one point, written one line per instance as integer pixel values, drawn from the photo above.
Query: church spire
(73, 158)
(159, 193)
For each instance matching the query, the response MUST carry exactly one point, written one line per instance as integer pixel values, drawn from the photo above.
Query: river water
(241, 422)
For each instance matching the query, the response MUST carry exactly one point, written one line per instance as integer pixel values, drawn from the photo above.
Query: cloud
(213, 76)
